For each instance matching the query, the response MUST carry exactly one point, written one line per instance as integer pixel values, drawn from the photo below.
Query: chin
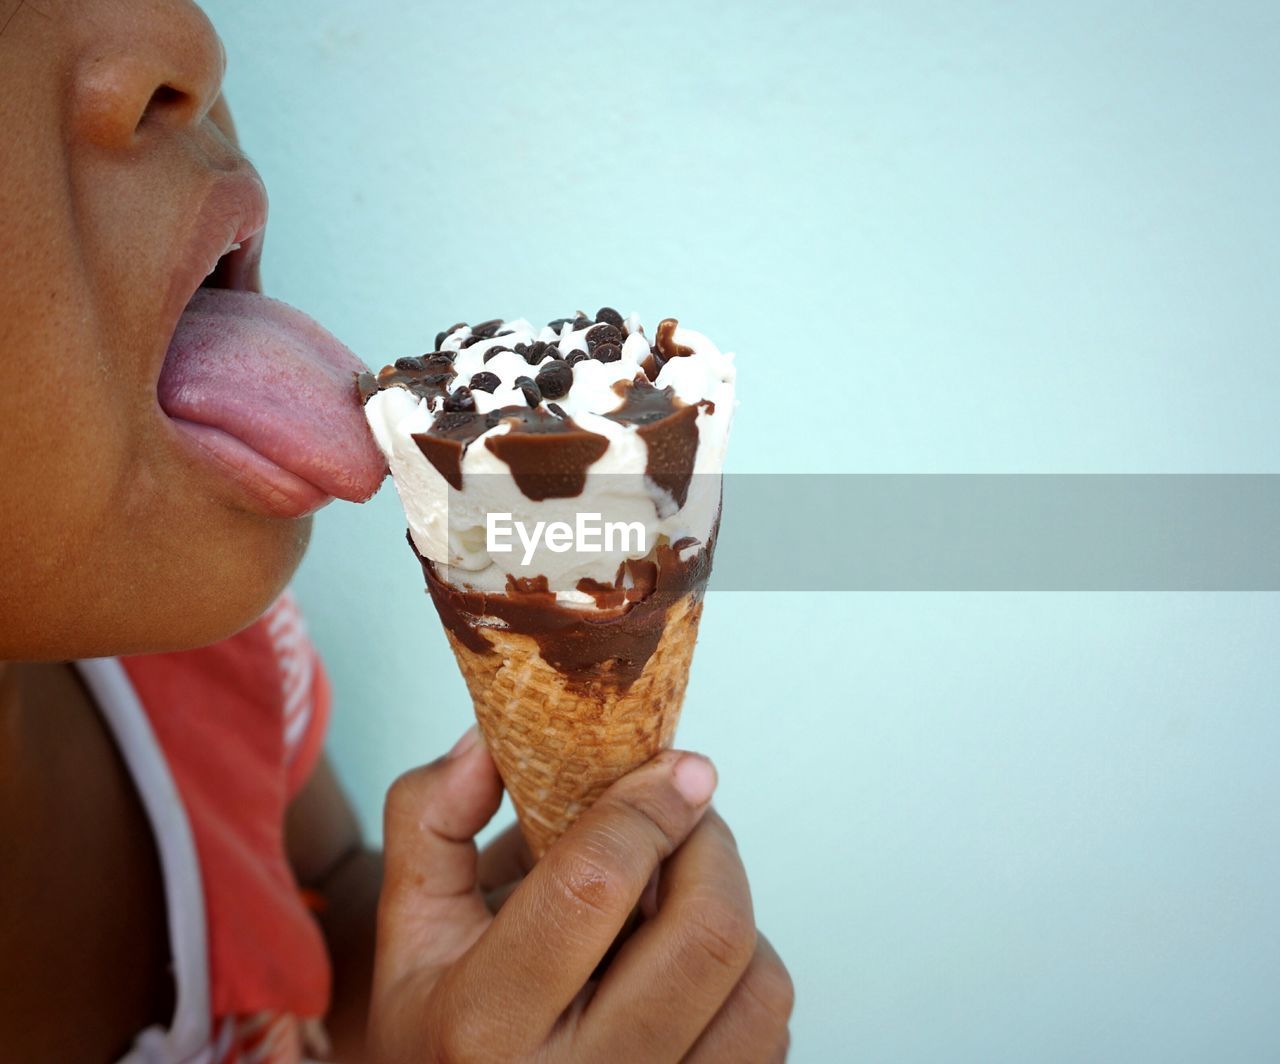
(250, 574)
(191, 600)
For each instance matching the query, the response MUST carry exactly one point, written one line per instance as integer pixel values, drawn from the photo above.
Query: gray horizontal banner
(890, 532)
(1078, 532)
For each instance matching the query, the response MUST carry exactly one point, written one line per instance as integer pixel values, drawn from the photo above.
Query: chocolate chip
(460, 401)
(410, 364)
(484, 381)
(442, 336)
(558, 410)
(471, 341)
(558, 324)
(530, 390)
(486, 329)
(610, 316)
(491, 351)
(582, 322)
(536, 352)
(607, 353)
(574, 357)
(554, 380)
(603, 334)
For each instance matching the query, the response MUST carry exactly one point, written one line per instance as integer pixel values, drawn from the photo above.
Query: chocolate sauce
(652, 364)
(427, 377)
(448, 439)
(366, 386)
(548, 454)
(634, 581)
(666, 341)
(601, 650)
(669, 429)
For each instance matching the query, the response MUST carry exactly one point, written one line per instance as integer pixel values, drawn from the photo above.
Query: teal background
(980, 237)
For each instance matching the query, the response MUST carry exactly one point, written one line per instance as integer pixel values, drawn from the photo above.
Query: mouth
(253, 389)
(223, 248)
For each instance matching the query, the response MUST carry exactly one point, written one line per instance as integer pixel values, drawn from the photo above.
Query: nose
(141, 64)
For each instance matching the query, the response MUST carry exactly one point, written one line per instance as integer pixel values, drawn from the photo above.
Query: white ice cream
(449, 526)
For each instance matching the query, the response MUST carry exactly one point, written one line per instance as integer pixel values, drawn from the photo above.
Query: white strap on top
(187, 1041)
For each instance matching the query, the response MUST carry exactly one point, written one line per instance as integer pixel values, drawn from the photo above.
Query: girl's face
(124, 528)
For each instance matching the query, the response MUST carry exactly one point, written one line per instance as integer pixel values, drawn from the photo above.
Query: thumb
(431, 909)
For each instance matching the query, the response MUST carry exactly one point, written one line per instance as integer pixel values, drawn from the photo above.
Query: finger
(553, 930)
(505, 859)
(430, 910)
(752, 1024)
(678, 969)
(495, 899)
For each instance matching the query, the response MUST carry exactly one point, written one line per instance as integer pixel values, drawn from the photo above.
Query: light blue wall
(1019, 237)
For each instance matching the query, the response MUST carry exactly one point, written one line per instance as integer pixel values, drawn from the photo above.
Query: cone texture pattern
(559, 744)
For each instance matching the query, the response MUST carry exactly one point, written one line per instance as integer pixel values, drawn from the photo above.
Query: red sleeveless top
(240, 725)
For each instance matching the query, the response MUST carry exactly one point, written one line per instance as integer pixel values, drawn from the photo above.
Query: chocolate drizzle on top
(666, 341)
(669, 429)
(450, 435)
(548, 454)
(664, 349)
(603, 650)
(428, 376)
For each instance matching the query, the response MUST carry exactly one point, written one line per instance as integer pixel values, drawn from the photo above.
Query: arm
(328, 856)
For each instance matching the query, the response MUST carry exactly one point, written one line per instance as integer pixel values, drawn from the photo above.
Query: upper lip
(225, 235)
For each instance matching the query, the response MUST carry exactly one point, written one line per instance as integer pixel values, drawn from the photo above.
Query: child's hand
(455, 982)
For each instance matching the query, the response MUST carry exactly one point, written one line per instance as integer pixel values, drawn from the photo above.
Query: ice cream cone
(576, 650)
(559, 743)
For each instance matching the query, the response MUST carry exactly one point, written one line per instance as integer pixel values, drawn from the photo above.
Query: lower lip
(269, 489)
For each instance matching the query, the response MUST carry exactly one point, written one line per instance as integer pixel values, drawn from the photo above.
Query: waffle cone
(558, 743)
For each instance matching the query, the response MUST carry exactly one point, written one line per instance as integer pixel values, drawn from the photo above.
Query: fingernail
(695, 779)
(469, 739)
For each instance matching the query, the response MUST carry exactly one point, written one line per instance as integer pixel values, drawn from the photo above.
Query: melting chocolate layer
(548, 454)
(603, 649)
(428, 376)
(669, 429)
(666, 340)
(448, 439)
(664, 349)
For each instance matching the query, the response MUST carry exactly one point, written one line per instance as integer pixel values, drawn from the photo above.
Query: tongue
(275, 380)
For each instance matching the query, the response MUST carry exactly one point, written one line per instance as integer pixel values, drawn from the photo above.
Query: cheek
(181, 591)
(136, 556)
